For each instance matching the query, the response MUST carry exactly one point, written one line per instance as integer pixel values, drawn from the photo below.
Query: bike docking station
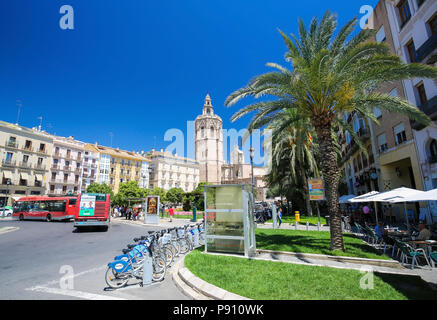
(229, 219)
(147, 270)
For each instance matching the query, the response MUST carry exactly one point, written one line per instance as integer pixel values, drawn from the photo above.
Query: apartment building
(172, 171)
(66, 167)
(239, 172)
(90, 167)
(25, 162)
(413, 25)
(118, 166)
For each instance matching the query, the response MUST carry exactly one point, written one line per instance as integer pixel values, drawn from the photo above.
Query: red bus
(44, 208)
(92, 210)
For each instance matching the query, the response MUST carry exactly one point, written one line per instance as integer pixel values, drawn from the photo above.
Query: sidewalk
(163, 222)
(288, 226)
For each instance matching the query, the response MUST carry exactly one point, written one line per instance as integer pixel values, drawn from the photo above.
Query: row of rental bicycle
(162, 247)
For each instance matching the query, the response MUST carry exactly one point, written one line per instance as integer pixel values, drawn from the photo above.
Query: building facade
(413, 25)
(172, 171)
(118, 166)
(66, 166)
(25, 162)
(90, 167)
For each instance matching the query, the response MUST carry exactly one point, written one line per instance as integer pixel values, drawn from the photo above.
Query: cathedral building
(209, 153)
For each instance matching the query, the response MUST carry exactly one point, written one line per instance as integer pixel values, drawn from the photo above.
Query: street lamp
(8, 183)
(252, 153)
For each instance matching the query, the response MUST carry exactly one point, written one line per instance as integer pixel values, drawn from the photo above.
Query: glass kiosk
(229, 219)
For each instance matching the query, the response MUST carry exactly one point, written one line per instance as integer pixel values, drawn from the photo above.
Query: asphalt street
(35, 258)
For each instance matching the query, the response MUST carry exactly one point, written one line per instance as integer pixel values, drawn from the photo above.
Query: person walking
(171, 212)
(280, 216)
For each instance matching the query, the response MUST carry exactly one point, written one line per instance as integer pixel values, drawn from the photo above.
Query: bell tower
(209, 143)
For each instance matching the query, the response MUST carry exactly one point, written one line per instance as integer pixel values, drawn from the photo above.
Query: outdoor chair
(433, 258)
(409, 253)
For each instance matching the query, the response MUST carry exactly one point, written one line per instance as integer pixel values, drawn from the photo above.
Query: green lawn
(265, 280)
(313, 242)
(303, 220)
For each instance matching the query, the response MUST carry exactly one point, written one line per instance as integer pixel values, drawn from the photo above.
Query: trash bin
(297, 216)
(194, 215)
(327, 220)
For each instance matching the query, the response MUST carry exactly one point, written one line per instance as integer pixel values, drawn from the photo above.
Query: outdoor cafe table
(397, 233)
(427, 243)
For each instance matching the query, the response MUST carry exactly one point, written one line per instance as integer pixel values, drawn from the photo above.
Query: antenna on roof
(40, 123)
(19, 109)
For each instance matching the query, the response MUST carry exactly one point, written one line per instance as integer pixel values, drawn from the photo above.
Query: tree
(129, 190)
(158, 192)
(174, 196)
(100, 188)
(331, 76)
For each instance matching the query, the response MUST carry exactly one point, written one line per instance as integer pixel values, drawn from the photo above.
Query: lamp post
(251, 153)
(8, 183)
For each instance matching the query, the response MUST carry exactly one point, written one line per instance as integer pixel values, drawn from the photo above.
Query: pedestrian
(280, 216)
(171, 212)
(129, 213)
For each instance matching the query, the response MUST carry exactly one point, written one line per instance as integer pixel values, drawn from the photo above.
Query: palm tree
(292, 142)
(331, 76)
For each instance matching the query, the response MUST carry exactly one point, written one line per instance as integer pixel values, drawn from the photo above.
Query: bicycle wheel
(185, 245)
(177, 246)
(168, 255)
(115, 280)
(159, 268)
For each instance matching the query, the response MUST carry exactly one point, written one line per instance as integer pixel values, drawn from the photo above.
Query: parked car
(6, 212)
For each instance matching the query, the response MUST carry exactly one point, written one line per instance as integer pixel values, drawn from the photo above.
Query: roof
(117, 153)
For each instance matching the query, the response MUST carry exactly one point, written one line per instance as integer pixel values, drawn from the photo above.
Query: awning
(344, 199)
(24, 176)
(7, 174)
(425, 196)
(38, 177)
(363, 197)
(390, 196)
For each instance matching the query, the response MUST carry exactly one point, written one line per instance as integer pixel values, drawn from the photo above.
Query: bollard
(147, 270)
(318, 226)
(295, 225)
(308, 225)
(342, 226)
(196, 238)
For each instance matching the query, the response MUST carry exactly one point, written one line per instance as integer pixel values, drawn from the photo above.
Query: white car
(4, 212)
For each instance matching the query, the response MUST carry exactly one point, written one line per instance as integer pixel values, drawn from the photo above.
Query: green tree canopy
(174, 195)
(100, 188)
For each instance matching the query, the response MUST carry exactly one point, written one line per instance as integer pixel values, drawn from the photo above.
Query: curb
(374, 262)
(8, 229)
(199, 289)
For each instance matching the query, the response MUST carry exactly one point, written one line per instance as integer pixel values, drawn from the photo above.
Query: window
(404, 12)
(42, 147)
(53, 175)
(421, 93)
(432, 25)
(377, 112)
(382, 142)
(25, 158)
(433, 151)
(411, 49)
(399, 132)
(40, 160)
(380, 36)
(28, 145)
(9, 157)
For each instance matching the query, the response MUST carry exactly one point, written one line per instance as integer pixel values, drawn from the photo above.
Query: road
(34, 259)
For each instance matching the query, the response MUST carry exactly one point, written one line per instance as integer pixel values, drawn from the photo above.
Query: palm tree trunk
(331, 177)
(307, 192)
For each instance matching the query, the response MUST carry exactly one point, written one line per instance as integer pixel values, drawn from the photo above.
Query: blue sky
(137, 68)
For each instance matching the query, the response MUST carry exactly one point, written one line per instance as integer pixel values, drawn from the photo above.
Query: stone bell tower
(209, 143)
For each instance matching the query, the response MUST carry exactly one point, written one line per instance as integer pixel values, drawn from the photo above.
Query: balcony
(28, 148)
(430, 109)
(40, 166)
(427, 52)
(26, 165)
(67, 168)
(11, 144)
(8, 163)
